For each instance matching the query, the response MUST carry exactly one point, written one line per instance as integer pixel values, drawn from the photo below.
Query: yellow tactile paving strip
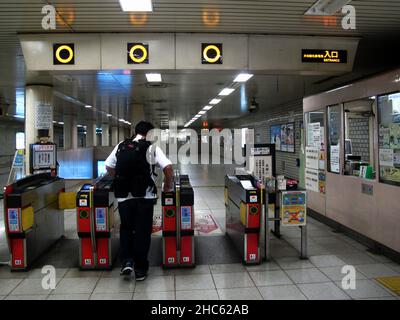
(392, 283)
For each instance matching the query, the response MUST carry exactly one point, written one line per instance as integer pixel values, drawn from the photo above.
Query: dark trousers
(135, 233)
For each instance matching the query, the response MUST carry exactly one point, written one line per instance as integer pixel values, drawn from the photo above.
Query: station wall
(263, 119)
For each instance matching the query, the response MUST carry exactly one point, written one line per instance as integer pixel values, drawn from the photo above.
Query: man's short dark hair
(143, 127)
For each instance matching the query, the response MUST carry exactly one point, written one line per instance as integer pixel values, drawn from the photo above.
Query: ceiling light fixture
(207, 108)
(136, 5)
(215, 101)
(88, 106)
(326, 7)
(109, 115)
(153, 77)
(202, 112)
(226, 91)
(243, 77)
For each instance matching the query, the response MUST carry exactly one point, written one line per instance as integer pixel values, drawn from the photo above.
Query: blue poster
(275, 136)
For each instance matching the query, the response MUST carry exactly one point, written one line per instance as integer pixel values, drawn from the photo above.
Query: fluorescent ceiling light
(136, 5)
(121, 120)
(226, 92)
(326, 7)
(202, 112)
(207, 108)
(215, 101)
(88, 106)
(109, 115)
(153, 77)
(243, 77)
(61, 123)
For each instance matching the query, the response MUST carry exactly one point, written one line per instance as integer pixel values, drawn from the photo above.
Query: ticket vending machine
(178, 224)
(244, 198)
(95, 224)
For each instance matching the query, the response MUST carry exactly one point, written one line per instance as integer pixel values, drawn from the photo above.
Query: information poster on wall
(335, 159)
(386, 158)
(311, 179)
(312, 157)
(313, 134)
(43, 116)
(384, 137)
(275, 136)
(394, 137)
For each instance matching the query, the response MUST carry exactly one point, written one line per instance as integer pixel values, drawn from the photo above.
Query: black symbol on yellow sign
(211, 53)
(63, 53)
(138, 53)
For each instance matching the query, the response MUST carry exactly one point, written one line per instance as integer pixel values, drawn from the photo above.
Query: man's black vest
(133, 173)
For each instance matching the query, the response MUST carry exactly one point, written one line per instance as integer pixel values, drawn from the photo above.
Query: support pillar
(114, 136)
(38, 111)
(90, 134)
(74, 133)
(105, 135)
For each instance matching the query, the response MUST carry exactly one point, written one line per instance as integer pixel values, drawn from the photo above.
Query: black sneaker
(127, 269)
(140, 275)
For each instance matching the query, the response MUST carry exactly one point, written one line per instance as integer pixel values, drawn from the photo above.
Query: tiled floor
(285, 277)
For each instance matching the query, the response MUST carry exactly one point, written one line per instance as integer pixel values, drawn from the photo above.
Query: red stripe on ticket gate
(103, 252)
(83, 218)
(252, 248)
(170, 252)
(252, 236)
(87, 258)
(17, 253)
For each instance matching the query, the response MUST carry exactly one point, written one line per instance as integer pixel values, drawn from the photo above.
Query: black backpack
(132, 172)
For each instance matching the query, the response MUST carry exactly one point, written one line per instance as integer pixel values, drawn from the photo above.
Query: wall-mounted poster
(394, 135)
(283, 137)
(275, 136)
(288, 137)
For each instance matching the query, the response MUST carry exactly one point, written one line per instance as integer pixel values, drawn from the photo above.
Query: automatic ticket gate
(95, 224)
(244, 198)
(178, 224)
(33, 220)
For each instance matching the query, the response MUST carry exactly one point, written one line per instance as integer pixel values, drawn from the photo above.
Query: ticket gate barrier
(33, 220)
(178, 224)
(95, 224)
(244, 198)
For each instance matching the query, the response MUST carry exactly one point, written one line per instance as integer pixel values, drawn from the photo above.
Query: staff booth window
(334, 137)
(359, 120)
(389, 138)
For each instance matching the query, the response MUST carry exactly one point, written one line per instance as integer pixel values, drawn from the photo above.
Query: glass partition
(389, 138)
(359, 138)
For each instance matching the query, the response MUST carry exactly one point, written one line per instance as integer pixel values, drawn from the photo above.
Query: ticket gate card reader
(243, 202)
(95, 221)
(33, 221)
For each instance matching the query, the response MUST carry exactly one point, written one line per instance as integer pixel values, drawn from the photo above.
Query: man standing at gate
(132, 164)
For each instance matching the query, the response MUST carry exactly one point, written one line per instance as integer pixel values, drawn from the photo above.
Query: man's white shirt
(160, 160)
